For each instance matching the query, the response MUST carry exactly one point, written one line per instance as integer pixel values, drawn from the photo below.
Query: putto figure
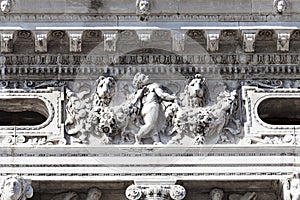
(280, 6)
(143, 7)
(6, 6)
(147, 104)
(15, 188)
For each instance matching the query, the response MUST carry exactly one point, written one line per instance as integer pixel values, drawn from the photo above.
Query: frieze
(169, 121)
(181, 17)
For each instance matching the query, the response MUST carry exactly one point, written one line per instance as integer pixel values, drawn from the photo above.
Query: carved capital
(291, 187)
(213, 41)
(178, 40)
(110, 41)
(75, 39)
(283, 42)
(157, 192)
(6, 42)
(41, 42)
(21, 188)
(249, 41)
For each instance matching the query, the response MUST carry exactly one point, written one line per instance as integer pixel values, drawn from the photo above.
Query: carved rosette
(133, 192)
(155, 192)
(177, 192)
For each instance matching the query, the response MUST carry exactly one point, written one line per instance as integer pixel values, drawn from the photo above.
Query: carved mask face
(12, 189)
(144, 6)
(5, 6)
(281, 6)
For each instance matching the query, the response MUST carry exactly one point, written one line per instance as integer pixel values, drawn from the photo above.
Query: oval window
(22, 112)
(280, 111)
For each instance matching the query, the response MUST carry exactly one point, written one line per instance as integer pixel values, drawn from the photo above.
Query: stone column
(155, 192)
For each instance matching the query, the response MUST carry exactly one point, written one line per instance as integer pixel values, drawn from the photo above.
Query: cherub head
(15, 188)
(143, 6)
(280, 5)
(6, 5)
(140, 80)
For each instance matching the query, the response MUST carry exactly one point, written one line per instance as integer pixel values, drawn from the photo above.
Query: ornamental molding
(258, 131)
(49, 104)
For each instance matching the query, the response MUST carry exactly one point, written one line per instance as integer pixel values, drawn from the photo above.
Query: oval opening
(280, 111)
(22, 112)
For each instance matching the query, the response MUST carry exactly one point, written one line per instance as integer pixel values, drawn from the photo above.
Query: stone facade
(149, 100)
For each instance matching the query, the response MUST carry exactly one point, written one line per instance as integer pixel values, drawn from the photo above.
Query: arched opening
(22, 112)
(280, 111)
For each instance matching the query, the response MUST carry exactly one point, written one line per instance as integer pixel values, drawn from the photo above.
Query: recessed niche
(22, 112)
(280, 111)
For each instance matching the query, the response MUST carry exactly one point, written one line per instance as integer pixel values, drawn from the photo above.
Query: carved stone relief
(6, 5)
(15, 188)
(143, 7)
(280, 6)
(151, 114)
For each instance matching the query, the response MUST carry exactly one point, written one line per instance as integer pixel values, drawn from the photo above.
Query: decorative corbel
(283, 42)
(212, 39)
(41, 42)
(249, 42)
(144, 36)
(110, 41)
(178, 40)
(6, 42)
(75, 39)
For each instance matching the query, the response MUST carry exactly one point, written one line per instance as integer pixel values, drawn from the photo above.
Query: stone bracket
(41, 42)
(178, 40)
(283, 41)
(110, 41)
(75, 39)
(212, 38)
(7, 42)
(249, 42)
